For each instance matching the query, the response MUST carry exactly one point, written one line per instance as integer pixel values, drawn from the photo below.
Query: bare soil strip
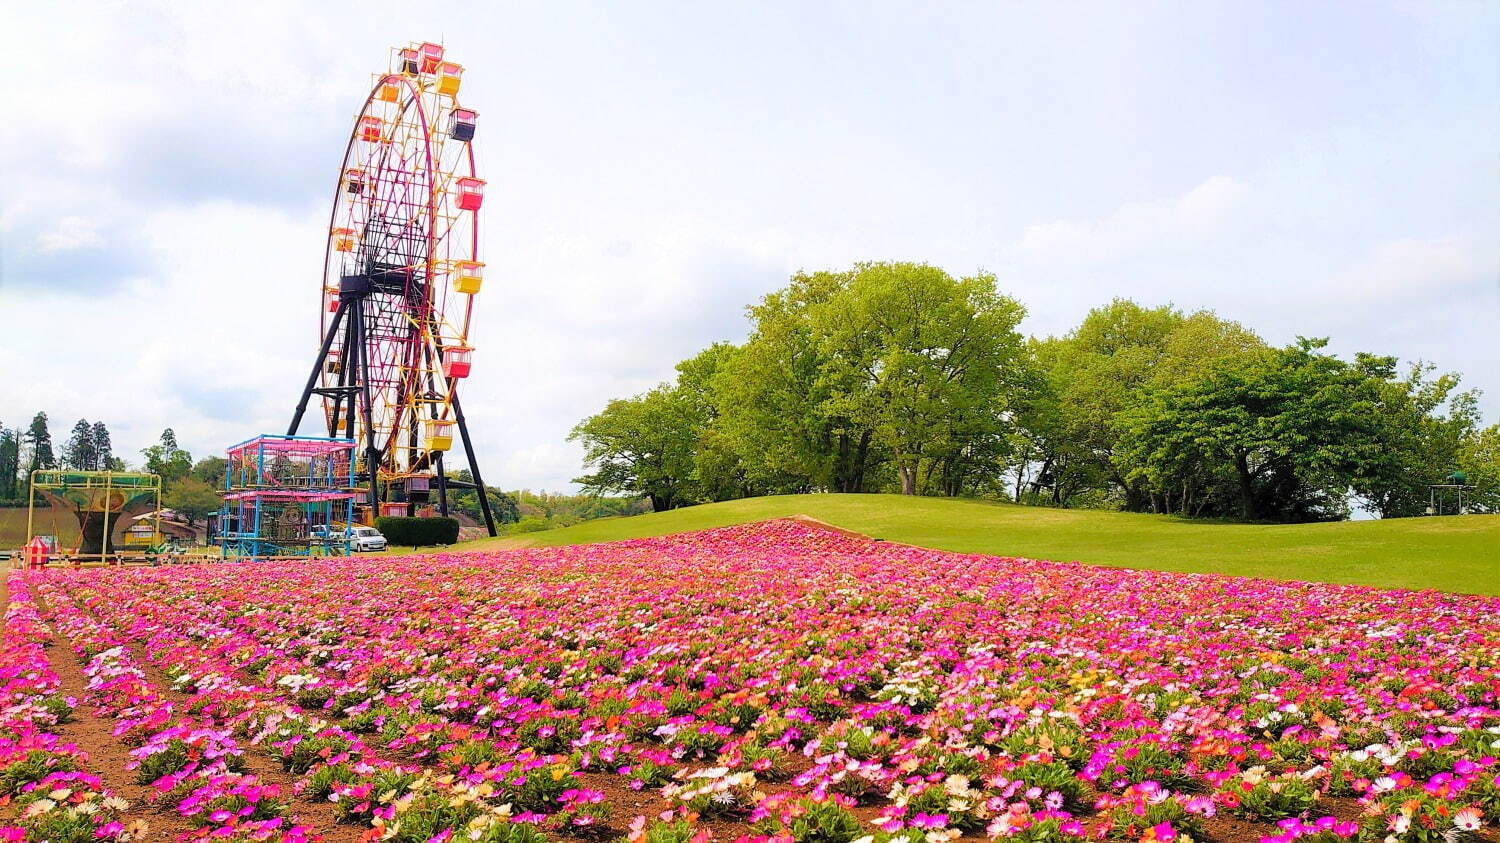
(93, 734)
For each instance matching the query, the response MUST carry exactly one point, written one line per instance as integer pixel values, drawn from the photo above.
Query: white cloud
(1162, 225)
(1407, 266)
(206, 344)
(539, 467)
(71, 233)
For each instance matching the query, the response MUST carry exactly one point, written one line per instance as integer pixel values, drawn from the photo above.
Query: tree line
(22, 451)
(188, 487)
(191, 487)
(898, 377)
(526, 511)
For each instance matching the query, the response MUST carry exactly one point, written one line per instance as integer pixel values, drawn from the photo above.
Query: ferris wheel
(401, 273)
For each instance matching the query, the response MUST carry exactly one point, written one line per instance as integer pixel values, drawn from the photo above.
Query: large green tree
(1479, 459)
(643, 445)
(1424, 422)
(1291, 428)
(1095, 373)
(104, 450)
(39, 443)
(774, 399)
(192, 499)
(209, 470)
(10, 463)
(1049, 464)
(926, 363)
(719, 473)
(79, 452)
(851, 379)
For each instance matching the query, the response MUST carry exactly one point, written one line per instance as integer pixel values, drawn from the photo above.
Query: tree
(1291, 428)
(923, 361)
(466, 501)
(39, 441)
(192, 499)
(104, 452)
(848, 375)
(642, 445)
(1097, 372)
(79, 451)
(719, 473)
(772, 400)
(1479, 459)
(209, 470)
(1422, 442)
(10, 463)
(1050, 465)
(165, 458)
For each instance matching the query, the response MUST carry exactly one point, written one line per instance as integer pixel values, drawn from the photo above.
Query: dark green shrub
(417, 532)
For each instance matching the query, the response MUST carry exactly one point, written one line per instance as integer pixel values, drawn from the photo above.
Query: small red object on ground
(36, 553)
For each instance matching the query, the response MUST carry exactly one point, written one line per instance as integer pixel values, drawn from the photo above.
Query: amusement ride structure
(401, 271)
(102, 502)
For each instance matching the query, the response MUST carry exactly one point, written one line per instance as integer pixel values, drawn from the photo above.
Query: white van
(360, 538)
(366, 538)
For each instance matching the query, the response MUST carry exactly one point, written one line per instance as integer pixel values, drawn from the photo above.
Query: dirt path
(317, 815)
(108, 755)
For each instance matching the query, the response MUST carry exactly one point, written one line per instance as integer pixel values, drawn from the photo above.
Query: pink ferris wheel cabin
(470, 193)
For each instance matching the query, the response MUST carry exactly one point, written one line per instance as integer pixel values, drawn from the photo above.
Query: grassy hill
(64, 525)
(1451, 554)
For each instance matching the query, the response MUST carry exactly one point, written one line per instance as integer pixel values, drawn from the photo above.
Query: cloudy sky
(1323, 169)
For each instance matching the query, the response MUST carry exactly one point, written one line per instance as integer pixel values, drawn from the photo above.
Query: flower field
(774, 681)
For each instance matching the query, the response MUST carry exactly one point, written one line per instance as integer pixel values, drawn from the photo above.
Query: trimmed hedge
(417, 532)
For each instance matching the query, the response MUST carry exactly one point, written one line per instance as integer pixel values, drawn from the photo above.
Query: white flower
(956, 785)
(1467, 819)
(41, 806)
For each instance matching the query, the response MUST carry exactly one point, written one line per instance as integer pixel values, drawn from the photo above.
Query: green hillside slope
(1452, 554)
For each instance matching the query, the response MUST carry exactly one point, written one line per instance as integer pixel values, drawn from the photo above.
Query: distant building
(172, 527)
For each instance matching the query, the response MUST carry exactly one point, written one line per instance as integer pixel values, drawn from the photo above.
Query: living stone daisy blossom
(773, 673)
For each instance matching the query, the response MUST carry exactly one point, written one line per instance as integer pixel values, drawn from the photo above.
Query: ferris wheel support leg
(442, 481)
(372, 453)
(484, 498)
(312, 379)
(340, 412)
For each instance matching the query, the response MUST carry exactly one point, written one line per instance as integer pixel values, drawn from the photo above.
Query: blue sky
(1325, 169)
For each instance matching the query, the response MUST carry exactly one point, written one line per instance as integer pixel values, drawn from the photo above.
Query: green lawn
(1452, 554)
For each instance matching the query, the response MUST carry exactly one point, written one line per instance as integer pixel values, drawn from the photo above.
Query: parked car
(366, 538)
(360, 538)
